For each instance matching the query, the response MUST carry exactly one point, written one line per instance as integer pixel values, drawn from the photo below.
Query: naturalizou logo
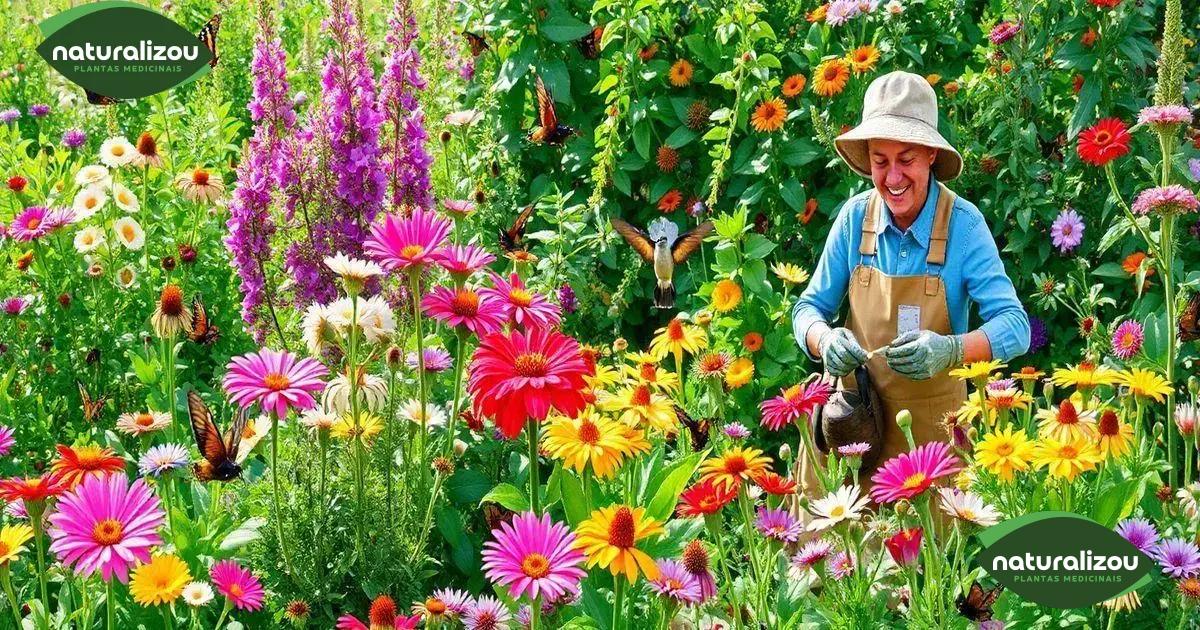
(1062, 560)
(115, 49)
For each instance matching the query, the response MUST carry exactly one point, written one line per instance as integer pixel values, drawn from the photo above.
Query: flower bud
(703, 318)
(902, 507)
(1048, 391)
(1194, 385)
(620, 344)
(64, 300)
(904, 420)
(445, 137)
(785, 452)
(395, 358)
(460, 447)
(168, 263)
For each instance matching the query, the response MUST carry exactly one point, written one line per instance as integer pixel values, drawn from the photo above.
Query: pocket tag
(908, 319)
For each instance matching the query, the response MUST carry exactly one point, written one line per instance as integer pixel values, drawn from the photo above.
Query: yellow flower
(681, 73)
(1004, 451)
(965, 479)
(1067, 423)
(1086, 375)
(676, 338)
(740, 372)
(830, 78)
(604, 377)
(970, 410)
(159, 582)
(1008, 398)
(734, 466)
(933, 79)
(1028, 373)
(789, 273)
(639, 406)
(1116, 437)
(592, 439)
(1066, 459)
(609, 538)
(12, 542)
(645, 369)
(978, 369)
(726, 296)
(863, 58)
(367, 428)
(1145, 384)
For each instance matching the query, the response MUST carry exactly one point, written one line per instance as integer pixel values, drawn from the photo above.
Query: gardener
(911, 255)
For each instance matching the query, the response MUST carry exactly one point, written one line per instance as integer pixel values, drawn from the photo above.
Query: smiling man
(911, 257)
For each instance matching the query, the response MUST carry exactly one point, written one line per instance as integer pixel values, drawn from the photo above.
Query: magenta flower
(1179, 557)
(106, 524)
(521, 305)
(463, 260)
(909, 474)
(459, 207)
(904, 546)
(38, 221)
(276, 381)
(778, 524)
(14, 306)
(457, 601)
(675, 583)
(1067, 231)
(841, 565)
(7, 441)
(1173, 199)
(1127, 339)
(1165, 115)
(812, 553)
(1140, 533)
(473, 310)
(736, 431)
(488, 613)
(436, 360)
(408, 242)
(1004, 31)
(237, 584)
(534, 557)
(793, 403)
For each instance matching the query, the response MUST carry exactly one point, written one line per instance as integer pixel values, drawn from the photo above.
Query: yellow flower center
(838, 511)
(465, 303)
(520, 297)
(412, 251)
(536, 566)
(108, 532)
(914, 481)
(1004, 450)
(1068, 452)
(276, 382)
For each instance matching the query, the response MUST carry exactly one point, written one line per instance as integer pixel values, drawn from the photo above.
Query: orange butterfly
(220, 453)
(91, 407)
(203, 330)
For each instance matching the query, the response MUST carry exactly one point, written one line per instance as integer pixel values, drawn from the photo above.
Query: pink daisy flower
(274, 380)
(812, 553)
(436, 360)
(488, 613)
(523, 306)
(909, 474)
(408, 242)
(37, 221)
(841, 565)
(1127, 339)
(1165, 115)
(457, 601)
(474, 310)
(463, 260)
(534, 557)
(1173, 199)
(675, 583)
(794, 403)
(7, 441)
(237, 584)
(1004, 31)
(854, 449)
(15, 305)
(459, 208)
(696, 563)
(106, 524)
(778, 525)
(382, 615)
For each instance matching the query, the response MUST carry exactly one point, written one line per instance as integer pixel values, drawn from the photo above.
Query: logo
(1062, 560)
(122, 50)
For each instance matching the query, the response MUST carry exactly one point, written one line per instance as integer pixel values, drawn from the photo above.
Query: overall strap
(872, 225)
(940, 236)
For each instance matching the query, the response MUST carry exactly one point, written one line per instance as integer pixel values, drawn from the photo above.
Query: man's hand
(840, 352)
(921, 354)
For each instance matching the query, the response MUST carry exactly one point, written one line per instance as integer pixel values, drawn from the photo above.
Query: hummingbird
(664, 248)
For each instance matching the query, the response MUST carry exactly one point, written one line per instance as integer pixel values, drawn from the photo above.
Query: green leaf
(245, 534)
(467, 486)
(571, 490)
(758, 247)
(515, 66)
(1115, 232)
(508, 496)
(670, 483)
(1111, 270)
(563, 27)
(462, 551)
(800, 152)
(793, 195)
(641, 138)
(1085, 111)
(754, 277)
(682, 136)
(558, 80)
(726, 261)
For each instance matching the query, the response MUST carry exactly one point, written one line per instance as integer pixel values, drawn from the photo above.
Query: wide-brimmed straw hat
(899, 106)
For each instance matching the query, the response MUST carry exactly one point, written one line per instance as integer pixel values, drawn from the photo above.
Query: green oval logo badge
(123, 50)
(1063, 560)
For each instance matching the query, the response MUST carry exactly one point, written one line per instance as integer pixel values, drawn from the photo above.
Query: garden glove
(840, 351)
(919, 354)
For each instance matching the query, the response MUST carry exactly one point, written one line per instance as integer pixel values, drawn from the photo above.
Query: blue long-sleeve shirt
(973, 272)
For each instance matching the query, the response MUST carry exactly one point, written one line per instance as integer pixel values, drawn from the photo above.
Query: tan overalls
(876, 301)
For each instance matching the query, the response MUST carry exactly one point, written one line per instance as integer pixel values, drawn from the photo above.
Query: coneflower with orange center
(147, 151)
(769, 115)
(610, 539)
(171, 314)
(200, 185)
(667, 159)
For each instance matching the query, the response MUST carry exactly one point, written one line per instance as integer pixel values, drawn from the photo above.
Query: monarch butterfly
(977, 604)
(1189, 327)
(548, 131)
(477, 43)
(497, 515)
(511, 239)
(220, 453)
(208, 37)
(203, 330)
(698, 431)
(91, 407)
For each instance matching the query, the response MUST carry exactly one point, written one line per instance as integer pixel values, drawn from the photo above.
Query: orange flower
(1133, 261)
(817, 14)
(1006, 67)
(933, 79)
(951, 88)
(830, 77)
(647, 52)
(793, 85)
(752, 341)
(667, 159)
(1089, 38)
(734, 466)
(681, 73)
(670, 201)
(863, 58)
(769, 115)
(810, 209)
(76, 463)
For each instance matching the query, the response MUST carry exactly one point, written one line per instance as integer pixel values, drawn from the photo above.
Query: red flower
(706, 497)
(31, 489)
(670, 201)
(76, 463)
(518, 376)
(1104, 142)
(16, 183)
(904, 546)
(1089, 37)
(1105, 4)
(1077, 83)
(773, 483)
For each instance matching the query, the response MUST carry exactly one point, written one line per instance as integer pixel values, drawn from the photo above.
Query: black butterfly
(208, 37)
(977, 604)
(761, 223)
(697, 430)
(1189, 320)
(497, 515)
(511, 239)
(548, 131)
(203, 331)
(477, 43)
(220, 453)
(589, 45)
(100, 99)
(91, 406)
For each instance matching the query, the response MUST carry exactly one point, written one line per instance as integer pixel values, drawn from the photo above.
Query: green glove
(921, 354)
(840, 352)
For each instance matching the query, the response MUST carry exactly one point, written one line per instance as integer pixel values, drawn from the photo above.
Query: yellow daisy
(161, 581)
(605, 377)
(863, 58)
(1008, 399)
(645, 369)
(789, 273)
(1004, 451)
(976, 370)
(1145, 384)
(12, 542)
(734, 466)
(610, 537)
(641, 406)
(740, 372)
(726, 295)
(366, 429)
(1066, 423)
(592, 439)
(1066, 460)
(1084, 376)
(676, 338)
(1116, 437)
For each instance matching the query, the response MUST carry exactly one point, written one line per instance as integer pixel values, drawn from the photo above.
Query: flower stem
(618, 601)
(535, 485)
(414, 295)
(283, 549)
(109, 604)
(12, 597)
(459, 363)
(224, 614)
(36, 510)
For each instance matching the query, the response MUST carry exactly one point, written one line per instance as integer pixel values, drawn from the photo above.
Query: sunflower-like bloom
(1004, 451)
(1145, 384)
(592, 439)
(1066, 459)
(641, 406)
(610, 539)
(676, 338)
(734, 466)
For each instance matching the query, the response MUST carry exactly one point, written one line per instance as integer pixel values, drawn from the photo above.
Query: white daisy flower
(318, 419)
(126, 276)
(124, 198)
(92, 175)
(117, 152)
(434, 415)
(89, 239)
(376, 319)
(967, 506)
(129, 233)
(844, 504)
(142, 422)
(317, 328)
(197, 594)
(255, 431)
(464, 118)
(88, 202)
(352, 268)
(373, 391)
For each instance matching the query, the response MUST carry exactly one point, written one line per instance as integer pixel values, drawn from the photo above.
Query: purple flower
(1001, 384)
(675, 583)
(854, 449)
(74, 138)
(9, 115)
(1039, 336)
(1139, 532)
(1194, 168)
(7, 441)
(436, 360)
(566, 299)
(697, 209)
(812, 553)
(778, 524)
(737, 431)
(1067, 231)
(1004, 31)
(1179, 558)
(14, 306)
(841, 565)
(991, 624)
(1127, 339)
(408, 161)
(1173, 199)
(841, 11)
(39, 110)
(1165, 115)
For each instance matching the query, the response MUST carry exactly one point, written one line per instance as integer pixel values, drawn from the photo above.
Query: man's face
(900, 171)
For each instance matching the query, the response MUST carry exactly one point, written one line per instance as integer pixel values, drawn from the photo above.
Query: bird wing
(690, 242)
(636, 238)
(546, 116)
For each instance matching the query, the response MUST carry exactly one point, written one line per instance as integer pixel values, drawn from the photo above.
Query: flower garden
(341, 334)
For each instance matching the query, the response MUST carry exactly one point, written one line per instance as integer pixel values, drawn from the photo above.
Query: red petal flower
(1104, 142)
